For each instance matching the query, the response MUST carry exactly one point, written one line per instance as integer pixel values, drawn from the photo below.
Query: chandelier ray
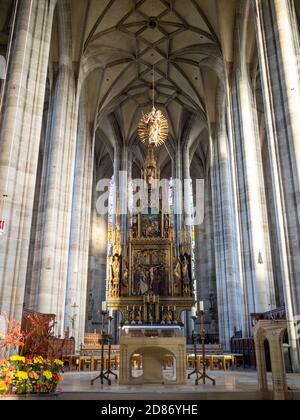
(153, 127)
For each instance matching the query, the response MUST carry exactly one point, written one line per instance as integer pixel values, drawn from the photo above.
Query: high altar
(150, 285)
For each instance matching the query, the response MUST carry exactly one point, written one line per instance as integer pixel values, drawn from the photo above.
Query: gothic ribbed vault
(117, 47)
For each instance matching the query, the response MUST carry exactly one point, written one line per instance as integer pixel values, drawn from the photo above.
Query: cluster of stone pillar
(47, 173)
(20, 141)
(243, 251)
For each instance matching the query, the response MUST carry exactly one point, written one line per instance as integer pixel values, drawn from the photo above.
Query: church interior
(150, 198)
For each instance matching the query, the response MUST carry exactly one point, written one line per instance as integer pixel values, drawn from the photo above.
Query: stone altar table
(153, 344)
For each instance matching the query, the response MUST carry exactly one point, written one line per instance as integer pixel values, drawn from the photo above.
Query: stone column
(123, 194)
(51, 273)
(187, 188)
(178, 197)
(229, 287)
(278, 50)
(80, 229)
(117, 168)
(20, 133)
(205, 262)
(254, 230)
(188, 219)
(97, 278)
(118, 162)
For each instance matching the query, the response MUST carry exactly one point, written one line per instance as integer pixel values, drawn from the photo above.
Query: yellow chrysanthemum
(48, 375)
(17, 359)
(58, 362)
(3, 387)
(38, 360)
(22, 376)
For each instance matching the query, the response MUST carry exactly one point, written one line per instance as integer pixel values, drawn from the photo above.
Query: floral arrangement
(20, 375)
(36, 373)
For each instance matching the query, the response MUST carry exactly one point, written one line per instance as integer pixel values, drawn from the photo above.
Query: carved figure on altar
(144, 287)
(137, 282)
(177, 278)
(132, 315)
(186, 279)
(135, 225)
(151, 315)
(169, 316)
(139, 315)
(167, 226)
(125, 279)
(115, 274)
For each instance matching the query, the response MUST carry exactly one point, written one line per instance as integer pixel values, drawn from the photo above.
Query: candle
(111, 313)
(194, 312)
(104, 306)
(201, 306)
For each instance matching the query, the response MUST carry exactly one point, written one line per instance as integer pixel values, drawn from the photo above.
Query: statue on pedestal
(177, 278)
(168, 316)
(125, 279)
(186, 279)
(167, 226)
(115, 274)
(135, 228)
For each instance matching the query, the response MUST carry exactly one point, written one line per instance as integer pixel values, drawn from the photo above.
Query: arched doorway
(155, 365)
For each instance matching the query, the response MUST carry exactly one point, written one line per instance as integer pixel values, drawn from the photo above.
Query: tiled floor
(230, 385)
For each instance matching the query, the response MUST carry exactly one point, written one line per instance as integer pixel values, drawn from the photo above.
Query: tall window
(110, 230)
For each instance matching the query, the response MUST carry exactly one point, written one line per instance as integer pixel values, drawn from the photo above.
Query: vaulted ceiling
(119, 46)
(123, 44)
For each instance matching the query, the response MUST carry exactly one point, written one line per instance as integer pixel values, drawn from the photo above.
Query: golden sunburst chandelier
(153, 128)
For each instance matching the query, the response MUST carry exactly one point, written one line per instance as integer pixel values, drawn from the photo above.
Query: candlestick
(200, 376)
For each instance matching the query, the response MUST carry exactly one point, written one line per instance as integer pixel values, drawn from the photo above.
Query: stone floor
(230, 385)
